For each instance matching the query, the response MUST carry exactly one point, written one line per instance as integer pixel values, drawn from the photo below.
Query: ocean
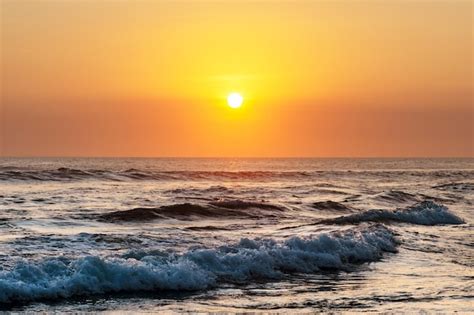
(236, 235)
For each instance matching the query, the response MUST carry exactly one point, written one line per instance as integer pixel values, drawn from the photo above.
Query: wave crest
(424, 213)
(197, 269)
(185, 211)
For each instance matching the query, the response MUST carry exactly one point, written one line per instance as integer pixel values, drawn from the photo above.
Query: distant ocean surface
(237, 235)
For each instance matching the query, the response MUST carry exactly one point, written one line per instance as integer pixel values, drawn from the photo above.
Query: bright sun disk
(235, 100)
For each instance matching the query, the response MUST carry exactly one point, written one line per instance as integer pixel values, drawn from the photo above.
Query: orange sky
(319, 78)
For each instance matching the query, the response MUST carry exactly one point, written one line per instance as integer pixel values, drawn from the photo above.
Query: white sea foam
(424, 213)
(194, 270)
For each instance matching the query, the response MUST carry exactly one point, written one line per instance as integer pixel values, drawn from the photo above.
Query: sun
(235, 100)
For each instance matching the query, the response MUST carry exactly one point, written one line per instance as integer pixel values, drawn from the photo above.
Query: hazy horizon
(230, 157)
(317, 78)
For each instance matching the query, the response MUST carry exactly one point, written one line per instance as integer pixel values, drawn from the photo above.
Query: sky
(141, 78)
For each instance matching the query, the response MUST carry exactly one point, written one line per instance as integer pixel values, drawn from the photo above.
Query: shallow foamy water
(236, 234)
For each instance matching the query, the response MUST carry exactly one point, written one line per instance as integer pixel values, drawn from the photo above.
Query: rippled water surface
(236, 235)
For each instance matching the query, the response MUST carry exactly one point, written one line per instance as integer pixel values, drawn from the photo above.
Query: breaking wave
(424, 213)
(198, 269)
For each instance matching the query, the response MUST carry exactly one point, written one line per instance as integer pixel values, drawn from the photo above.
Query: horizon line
(229, 157)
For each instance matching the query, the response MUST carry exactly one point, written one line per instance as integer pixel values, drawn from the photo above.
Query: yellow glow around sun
(235, 100)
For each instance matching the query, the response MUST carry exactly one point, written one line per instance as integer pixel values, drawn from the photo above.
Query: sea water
(236, 235)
